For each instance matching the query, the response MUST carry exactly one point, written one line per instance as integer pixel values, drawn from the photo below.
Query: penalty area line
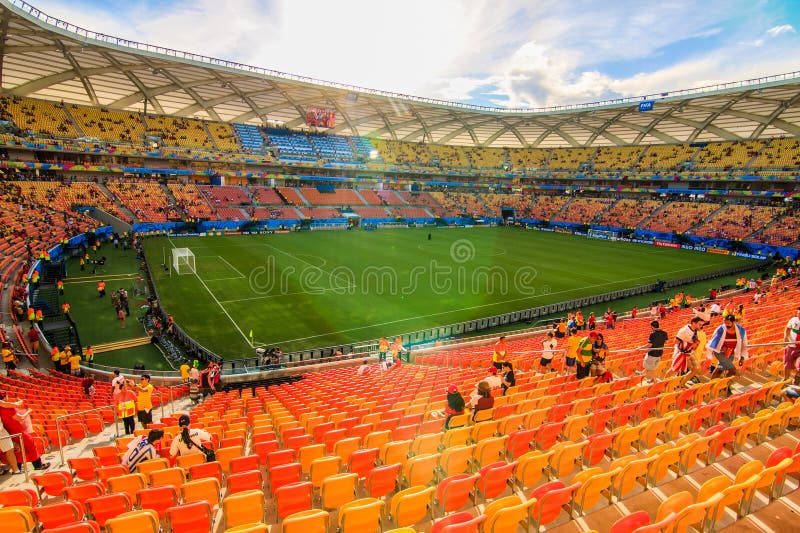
(203, 283)
(232, 267)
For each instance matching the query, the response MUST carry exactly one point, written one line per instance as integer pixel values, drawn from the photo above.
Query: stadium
(239, 299)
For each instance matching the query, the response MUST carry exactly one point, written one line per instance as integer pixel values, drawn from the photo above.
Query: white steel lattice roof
(43, 57)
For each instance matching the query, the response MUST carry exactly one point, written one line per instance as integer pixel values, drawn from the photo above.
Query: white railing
(87, 35)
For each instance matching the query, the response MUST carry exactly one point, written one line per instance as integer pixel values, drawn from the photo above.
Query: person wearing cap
(142, 449)
(493, 379)
(584, 355)
(188, 441)
(729, 342)
(455, 405)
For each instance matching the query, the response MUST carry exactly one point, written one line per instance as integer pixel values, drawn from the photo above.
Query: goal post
(183, 261)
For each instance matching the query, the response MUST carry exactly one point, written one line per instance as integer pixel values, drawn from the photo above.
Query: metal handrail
(59, 418)
(24, 464)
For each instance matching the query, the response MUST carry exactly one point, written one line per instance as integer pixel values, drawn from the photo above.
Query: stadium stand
(291, 196)
(341, 197)
(490, 158)
(409, 212)
(250, 137)
(781, 232)
(145, 199)
(666, 157)
(583, 210)
(616, 158)
(680, 216)
(522, 159)
(266, 195)
(628, 213)
(371, 212)
(108, 125)
(224, 195)
(545, 207)
(423, 199)
(222, 136)
(38, 116)
(332, 147)
(274, 213)
(363, 148)
(65, 197)
(178, 131)
(737, 221)
(778, 154)
(727, 155)
(291, 145)
(569, 158)
(190, 201)
(391, 198)
(319, 212)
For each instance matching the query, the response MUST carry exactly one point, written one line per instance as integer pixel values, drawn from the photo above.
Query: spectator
(6, 444)
(188, 441)
(599, 354)
(126, 406)
(8, 413)
(455, 405)
(117, 384)
(791, 353)
(485, 399)
(508, 377)
(144, 401)
(141, 449)
(655, 345)
(548, 351)
(729, 342)
(585, 354)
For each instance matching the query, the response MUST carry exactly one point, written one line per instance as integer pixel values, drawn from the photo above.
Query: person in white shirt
(548, 351)
(715, 309)
(791, 354)
(188, 441)
(141, 449)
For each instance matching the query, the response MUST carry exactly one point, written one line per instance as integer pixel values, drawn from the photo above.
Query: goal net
(183, 260)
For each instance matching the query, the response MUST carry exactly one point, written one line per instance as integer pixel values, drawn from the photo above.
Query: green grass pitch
(314, 289)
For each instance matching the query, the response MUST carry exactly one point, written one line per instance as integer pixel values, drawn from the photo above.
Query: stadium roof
(43, 57)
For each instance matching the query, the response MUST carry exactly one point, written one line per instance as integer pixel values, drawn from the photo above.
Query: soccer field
(314, 289)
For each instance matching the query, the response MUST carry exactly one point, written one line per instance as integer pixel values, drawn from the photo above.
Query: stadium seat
(243, 508)
(506, 514)
(458, 523)
(143, 521)
(411, 505)
(58, 514)
(88, 526)
(157, 499)
(194, 517)
(102, 508)
(362, 515)
(292, 498)
(311, 521)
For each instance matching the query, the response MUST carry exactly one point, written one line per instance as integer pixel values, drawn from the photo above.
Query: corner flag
(251, 335)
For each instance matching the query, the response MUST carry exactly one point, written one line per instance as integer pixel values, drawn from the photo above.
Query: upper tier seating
(779, 153)
(617, 157)
(492, 158)
(108, 125)
(667, 157)
(522, 158)
(291, 145)
(39, 116)
(727, 155)
(569, 158)
(680, 216)
(223, 136)
(250, 137)
(178, 131)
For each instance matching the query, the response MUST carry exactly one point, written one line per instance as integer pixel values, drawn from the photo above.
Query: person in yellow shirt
(64, 359)
(75, 364)
(185, 371)
(144, 401)
(8, 356)
(499, 353)
(572, 349)
(383, 347)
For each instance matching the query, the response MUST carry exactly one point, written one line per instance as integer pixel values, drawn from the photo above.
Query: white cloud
(514, 53)
(777, 30)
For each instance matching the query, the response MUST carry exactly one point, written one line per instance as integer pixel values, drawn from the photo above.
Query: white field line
(232, 267)
(401, 320)
(307, 263)
(246, 338)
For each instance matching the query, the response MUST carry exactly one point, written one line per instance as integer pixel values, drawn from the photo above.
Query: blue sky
(497, 53)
